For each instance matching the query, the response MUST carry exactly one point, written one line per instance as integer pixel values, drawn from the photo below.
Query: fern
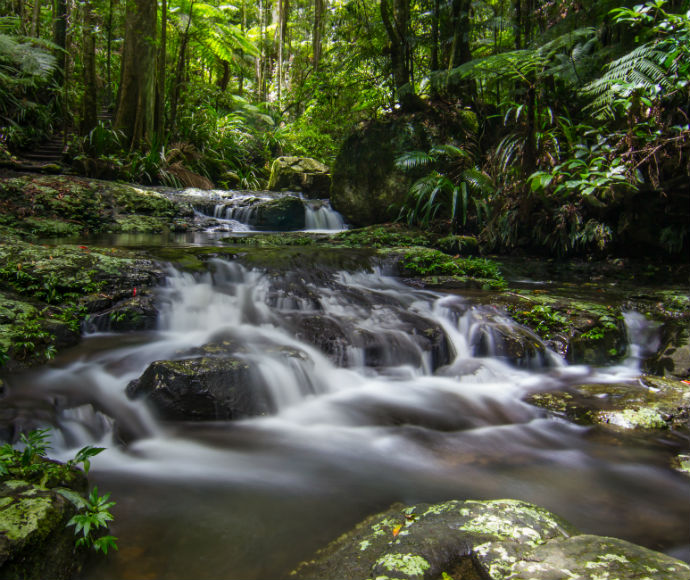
(642, 68)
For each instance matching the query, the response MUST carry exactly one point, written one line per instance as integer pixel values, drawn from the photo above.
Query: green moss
(390, 236)
(140, 224)
(429, 263)
(544, 320)
(407, 564)
(458, 245)
(643, 418)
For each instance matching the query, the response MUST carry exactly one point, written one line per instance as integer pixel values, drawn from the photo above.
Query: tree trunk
(90, 100)
(159, 124)
(179, 70)
(36, 18)
(60, 39)
(136, 105)
(317, 33)
(396, 20)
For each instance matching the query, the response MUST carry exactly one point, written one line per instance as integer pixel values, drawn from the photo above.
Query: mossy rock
(476, 540)
(283, 214)
(657, 403)
(439, 270)
(35, 541)
(300, 174)
(367, 186)
(60, 205)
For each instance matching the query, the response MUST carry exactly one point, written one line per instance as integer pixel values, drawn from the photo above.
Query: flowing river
(355, 425)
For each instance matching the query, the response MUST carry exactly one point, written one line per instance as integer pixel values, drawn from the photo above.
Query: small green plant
(93, 516)
(542, 319)
(30, 463)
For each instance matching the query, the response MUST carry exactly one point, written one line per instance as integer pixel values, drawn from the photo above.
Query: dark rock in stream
(203, 388)
(497, 539)
(282, 214)
(217, 381)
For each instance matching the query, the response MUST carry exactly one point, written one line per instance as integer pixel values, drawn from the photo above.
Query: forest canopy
(574, 110)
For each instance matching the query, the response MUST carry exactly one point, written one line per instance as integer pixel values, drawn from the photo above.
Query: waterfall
(378, 392)
(319, 216)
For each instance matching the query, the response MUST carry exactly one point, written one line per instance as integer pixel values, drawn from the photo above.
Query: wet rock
(652, 403)
(300, 174)
(498, 539)
(324, 332)
(35, 541)
(136, 313)
(203, 388)
(582, 556)
(282, 214)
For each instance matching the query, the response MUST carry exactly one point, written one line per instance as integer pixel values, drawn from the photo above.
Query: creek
(355, 425)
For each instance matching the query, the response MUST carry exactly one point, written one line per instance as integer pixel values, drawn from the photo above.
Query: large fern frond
(643, 68)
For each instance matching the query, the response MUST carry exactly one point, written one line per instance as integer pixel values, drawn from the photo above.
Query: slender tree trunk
(317, 33)
(159, 124)
(180, 71)
(243, 27)
(224, 78)
(60, 39)
(36, 18)
(109, 55)
(136, 103)
(434, 35)
(90, 100)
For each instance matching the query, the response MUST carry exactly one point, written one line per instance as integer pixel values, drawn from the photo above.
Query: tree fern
(642, 68)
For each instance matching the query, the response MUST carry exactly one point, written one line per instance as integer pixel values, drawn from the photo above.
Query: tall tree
(136, 103)
(159, 123)
(396, 20)
(90, 100)
(317, 33)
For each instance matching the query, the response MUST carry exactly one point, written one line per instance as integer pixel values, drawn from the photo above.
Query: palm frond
(411, 160)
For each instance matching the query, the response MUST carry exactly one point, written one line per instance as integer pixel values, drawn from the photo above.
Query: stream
(356, 425)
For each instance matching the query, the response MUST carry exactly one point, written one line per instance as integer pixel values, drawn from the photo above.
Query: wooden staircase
(49, 154)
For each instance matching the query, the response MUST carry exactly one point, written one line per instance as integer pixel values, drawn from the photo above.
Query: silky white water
(373, 417)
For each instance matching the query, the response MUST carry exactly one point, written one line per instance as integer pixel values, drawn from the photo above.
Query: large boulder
(304, 174)
(35, 541)
(497, 539)
(367, 186)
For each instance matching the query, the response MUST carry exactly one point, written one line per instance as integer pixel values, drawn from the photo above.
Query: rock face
(304, 174)
(498, 539)
(366, 182)
(35, 541)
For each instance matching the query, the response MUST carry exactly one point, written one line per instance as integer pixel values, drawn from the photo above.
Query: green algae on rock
(648, 404)
(497, 539)
(35, 541)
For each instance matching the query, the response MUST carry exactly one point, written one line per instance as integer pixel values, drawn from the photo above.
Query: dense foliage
(581, 108)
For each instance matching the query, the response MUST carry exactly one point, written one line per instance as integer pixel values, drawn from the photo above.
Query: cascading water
(237, 210)
(380, 393)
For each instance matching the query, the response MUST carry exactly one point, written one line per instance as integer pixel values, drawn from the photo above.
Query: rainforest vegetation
(574, 133)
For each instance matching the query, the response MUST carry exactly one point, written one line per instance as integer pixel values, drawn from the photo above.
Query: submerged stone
(497, 539)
